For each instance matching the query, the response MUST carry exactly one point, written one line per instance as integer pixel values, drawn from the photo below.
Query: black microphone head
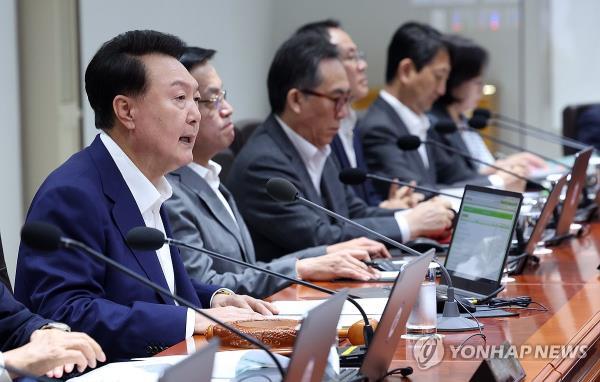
(282, 190)
(445, 126)
(145, 238)
(352, 176)
(409, 142)
(483, 113)
(41, 236)
(478, 122)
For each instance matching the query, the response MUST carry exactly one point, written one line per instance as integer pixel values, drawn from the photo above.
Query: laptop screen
(483, 233)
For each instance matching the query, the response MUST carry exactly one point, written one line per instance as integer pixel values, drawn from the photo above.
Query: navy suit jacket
(588, 126)
(280, 228)
(89, 200)
(365, 190)
(16, 321)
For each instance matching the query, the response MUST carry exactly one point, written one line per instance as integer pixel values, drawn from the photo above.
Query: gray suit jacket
(199, 218)
(380, 129)
(278, 228)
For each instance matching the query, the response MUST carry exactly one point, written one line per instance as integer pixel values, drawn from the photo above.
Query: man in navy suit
(26, 344)
(346, 145)
(146, 104)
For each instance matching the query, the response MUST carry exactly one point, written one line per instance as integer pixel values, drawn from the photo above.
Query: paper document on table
(371, 306)
(225, 364)
(144, 370)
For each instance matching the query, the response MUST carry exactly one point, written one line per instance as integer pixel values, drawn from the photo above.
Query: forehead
(207, 77)
(333, 75)
(166, 71)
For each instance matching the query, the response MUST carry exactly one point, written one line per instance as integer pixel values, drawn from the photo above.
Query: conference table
(566, 281)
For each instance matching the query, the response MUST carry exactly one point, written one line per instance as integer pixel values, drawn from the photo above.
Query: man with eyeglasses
(203, 213)
(309, 94)
(346, 145)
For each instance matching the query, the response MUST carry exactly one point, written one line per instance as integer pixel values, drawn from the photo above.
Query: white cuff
(190, 323)
(220, 291)
(403, 224)
(4, 377)
(496, 181)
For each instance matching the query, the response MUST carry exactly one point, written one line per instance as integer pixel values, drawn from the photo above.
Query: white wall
(10, 141)
(239, 30)
(575, 76)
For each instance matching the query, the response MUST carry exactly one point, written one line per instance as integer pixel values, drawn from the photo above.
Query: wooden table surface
(566, 281)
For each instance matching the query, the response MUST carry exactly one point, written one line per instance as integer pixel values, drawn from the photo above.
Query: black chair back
(570, 115)
(243, 131)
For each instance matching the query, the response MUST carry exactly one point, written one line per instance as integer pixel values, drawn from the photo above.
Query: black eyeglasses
(215, 101)
(339, 102)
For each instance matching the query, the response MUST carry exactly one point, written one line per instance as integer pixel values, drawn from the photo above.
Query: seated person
(146, 104)
(346, 145)
(202, 212)
(309, 93)
(38, 346)
(463, 92)
(418, 65)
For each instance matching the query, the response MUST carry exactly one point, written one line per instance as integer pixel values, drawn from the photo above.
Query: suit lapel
(208, 197)
(247, 245)
(125, 211)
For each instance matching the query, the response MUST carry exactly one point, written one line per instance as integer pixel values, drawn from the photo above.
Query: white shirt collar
(347, 124)
(415, 123)
(210, 173)
(146, 195)
(313, 157)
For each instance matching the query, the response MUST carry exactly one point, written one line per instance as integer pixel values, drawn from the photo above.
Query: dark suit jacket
(380, 129)
(279, 228)
(199, 218)
(466, 169)
(16, 322)
(588, 126)
(365, 190)
(88, 199)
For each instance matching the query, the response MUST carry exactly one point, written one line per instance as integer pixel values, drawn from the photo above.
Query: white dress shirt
(346, 135)
(4, 377)
(415, 124)
(314, 160)
(149, 199)
(211, 175)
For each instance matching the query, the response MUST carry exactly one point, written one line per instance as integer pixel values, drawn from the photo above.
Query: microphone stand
(451, 318)
(74, 244)
(401, 183)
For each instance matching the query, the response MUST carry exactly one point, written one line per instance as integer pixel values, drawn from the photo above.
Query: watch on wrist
(224, 291)
(56, 325)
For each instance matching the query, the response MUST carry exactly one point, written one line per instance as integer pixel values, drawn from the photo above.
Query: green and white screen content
(482, 235)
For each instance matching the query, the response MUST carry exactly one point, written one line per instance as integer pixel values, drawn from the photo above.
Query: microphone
(412, 142)
(478, 123)
(522, 127)
(146, 238)
(284, 191)
(352, 176)
(47, 237)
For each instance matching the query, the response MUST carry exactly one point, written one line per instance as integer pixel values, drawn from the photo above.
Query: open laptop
(576, 184)
(481, 241)
(516, 267)
(311, 349)
(393, 321)
(197, 367)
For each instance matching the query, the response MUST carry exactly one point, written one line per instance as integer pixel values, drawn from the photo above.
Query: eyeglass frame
(215, 100)
(339, 102)
(357, 56)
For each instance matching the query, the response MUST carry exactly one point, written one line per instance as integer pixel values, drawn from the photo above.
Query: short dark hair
(419, 42)
(467, 60)
(194, 56)
(320, 27)
(296, 65)
(116, 69)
